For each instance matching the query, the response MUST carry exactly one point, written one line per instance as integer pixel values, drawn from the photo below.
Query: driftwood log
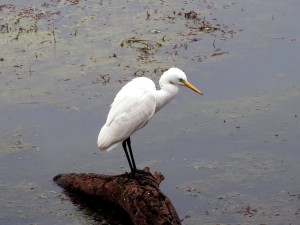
(138, 195)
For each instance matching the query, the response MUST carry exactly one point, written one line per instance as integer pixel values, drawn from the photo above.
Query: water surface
(229, 157)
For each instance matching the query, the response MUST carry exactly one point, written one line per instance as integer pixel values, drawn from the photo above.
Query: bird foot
(142, 172)
(144, 177)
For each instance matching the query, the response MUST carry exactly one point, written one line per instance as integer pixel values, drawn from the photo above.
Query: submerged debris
(104, 79)
(248, 211)
(146, 48)
(191, 15)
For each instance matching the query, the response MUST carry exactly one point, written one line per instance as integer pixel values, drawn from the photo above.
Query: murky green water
(229, 157)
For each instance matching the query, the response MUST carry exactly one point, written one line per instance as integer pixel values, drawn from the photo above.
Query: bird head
(178, 77)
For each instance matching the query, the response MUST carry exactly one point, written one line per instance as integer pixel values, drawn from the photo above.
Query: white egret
(134, 105)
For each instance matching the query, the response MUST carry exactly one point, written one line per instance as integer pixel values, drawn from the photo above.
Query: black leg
(127, 155)
(131, 155)
(140, 174)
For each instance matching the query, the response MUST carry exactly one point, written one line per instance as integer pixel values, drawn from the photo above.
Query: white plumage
(131, 109)
(135, 104)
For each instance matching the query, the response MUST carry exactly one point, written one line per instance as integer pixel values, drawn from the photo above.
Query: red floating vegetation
(7, 6)
(248, 211)
(73, 2)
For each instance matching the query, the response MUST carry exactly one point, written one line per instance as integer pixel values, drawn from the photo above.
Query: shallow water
(229, 157)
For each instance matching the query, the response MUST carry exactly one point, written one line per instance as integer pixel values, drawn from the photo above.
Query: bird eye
(181, 80)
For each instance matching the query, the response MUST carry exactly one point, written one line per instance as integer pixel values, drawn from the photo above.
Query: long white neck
(167, 92)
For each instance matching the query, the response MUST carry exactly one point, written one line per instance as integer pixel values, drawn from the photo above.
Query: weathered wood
(138, 195)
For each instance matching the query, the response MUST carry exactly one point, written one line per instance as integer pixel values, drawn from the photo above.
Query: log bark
(138, 194)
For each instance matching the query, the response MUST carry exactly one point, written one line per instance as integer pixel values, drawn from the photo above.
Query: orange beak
(190, 86)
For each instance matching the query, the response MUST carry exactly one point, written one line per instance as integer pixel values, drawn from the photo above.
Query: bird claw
(144, 177)
(142, 172)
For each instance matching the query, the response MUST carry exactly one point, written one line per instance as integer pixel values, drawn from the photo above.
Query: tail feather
(104, 140)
